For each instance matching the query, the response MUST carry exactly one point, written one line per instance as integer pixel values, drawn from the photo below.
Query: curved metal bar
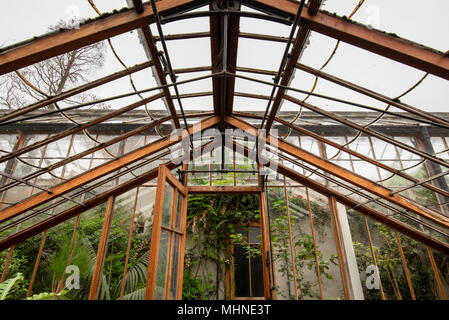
(201, 14)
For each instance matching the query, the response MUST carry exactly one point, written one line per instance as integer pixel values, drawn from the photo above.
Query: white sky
(423, 22)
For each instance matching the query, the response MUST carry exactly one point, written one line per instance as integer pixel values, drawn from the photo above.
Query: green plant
(211, 221)
(10, 288)
(305, 258)
(392, 274)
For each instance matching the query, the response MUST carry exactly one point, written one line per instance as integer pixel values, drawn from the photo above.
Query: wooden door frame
(229, 277)
(164, 175)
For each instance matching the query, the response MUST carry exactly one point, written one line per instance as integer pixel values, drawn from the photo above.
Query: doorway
(209, 245)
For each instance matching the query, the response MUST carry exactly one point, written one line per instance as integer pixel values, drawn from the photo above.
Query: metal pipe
(125, 95)
(341, 101)
(169, 66)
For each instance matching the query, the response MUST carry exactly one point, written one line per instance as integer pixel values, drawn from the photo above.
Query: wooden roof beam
(387, 45)
(341, 173)
(298, 46)
(98, 172)
(371, 94)
(372, 213)
(314, 6)
(88, 204)
(160, 72)
(57, 43)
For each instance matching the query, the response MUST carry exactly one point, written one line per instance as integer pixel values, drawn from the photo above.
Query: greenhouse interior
(224, 150)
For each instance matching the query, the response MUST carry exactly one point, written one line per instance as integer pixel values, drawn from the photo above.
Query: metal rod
(283, 61)
(407, 188)
(246, 14)
(169, 66)
(109, 99)
(221, 171)
(9, 176)
(340, 100)
(315, 171)
(421, 182)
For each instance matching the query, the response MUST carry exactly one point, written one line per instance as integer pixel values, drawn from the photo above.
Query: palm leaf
(138, 294)
(136, 275)
(8, 287)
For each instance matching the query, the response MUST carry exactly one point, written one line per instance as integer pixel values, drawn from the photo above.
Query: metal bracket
(231, 8)
(181, 174)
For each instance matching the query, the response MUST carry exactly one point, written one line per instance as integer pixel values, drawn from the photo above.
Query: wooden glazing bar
(97, 172)
(340, 249)
(371, 94)
(373, 255)
(404, 264)
(160, 74)
(342, 173)
(98, 147)
(315, 250)
(292, 249)
(75, 91)
(128, 248)
(56, 43)
(389, 46)
(11, 164)
(91, 203)
(436, 273)
(362, 209)
(102, 250)
(155, 235)
(80, 127)
(168, 272)
(36, 263)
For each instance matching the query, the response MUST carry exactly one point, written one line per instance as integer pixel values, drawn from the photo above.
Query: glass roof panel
(402, 17)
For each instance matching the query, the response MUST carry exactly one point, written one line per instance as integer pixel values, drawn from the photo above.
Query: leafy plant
(11, 287)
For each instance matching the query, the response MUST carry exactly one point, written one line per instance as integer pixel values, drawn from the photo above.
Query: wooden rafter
(223, 86)
(314, 6)
(75, 210)
(372, 213)
(342, 173)
(389, 46)
(298, 46)
(356, 154)
(89, 204)
(58, 43)
(74, 91)
(98, 172)
(371, 94)
(160, 73)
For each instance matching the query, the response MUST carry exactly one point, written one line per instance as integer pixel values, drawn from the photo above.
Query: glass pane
(241, 272)
(254, 235)
(179, 202)
(117, 245)
(175, 266)
(256, 276)
(326, 247)
(161, 270)
(304, 246)
(364, 257)
(391, 270)
(280, 241)
(167, 205)
(136, 275)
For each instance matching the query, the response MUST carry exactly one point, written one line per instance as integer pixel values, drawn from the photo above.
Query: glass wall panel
(326, 247)
(369, 277)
